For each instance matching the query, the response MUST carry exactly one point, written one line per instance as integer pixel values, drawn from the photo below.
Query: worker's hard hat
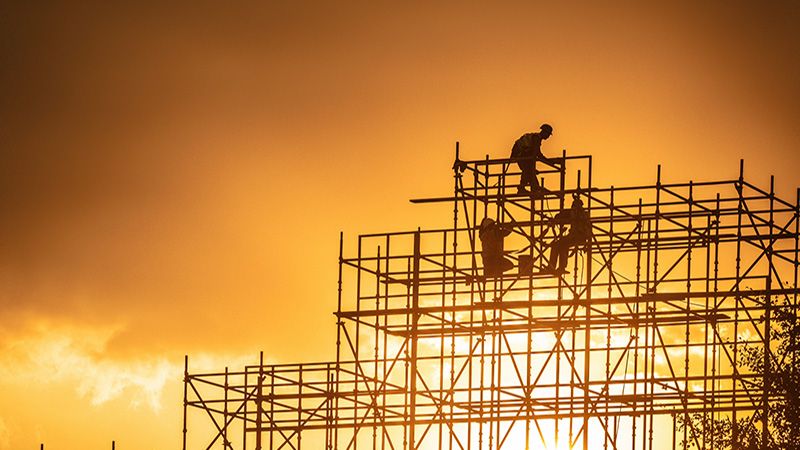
(486, 222)
(546, 128)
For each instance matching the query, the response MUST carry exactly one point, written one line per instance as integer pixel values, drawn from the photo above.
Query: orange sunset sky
(173, 178)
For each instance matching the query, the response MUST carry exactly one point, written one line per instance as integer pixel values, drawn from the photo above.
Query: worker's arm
(563, 217)
(555, 162)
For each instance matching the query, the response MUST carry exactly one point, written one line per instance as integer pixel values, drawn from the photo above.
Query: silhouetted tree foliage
(783, 388)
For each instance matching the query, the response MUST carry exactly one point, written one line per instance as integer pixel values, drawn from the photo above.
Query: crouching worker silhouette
(580, 231)
(492, 235)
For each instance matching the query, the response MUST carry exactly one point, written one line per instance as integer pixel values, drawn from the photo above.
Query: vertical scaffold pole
(259, 399)
(707, 269)
(588, 334)
(299, 405)
(414, 323)
(609, 293)
(329, 408)
(339, 325)
(386, 297)
(653, 309)
(685, 396)
(245, 411)
(715, 384)
(646, 380)
(767, 325)
(442, 337)
(456, 180)
(185, 395)
(225, 443)
(793, 338)
(573, 348)
(375, 364)
(737, 300)
(357, 370)
(793, 325)
(474, 272)
(637, 294)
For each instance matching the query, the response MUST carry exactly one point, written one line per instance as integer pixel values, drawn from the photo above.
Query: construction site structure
(645, 330)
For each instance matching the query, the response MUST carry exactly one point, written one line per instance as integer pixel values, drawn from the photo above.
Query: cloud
(75, 368)
(47, 353)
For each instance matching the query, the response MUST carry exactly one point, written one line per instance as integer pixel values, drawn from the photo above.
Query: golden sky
(173, 179)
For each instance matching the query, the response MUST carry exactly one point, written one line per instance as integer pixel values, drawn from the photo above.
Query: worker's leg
(563, 257)
(523, 179)
(534, 182)
(528, 173)
(487, 264)
(494, 266)
(569, 241)
(555, 252)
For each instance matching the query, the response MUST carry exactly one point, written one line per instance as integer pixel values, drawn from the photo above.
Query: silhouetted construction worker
(492, 235)
(580, 231)
(526, 151)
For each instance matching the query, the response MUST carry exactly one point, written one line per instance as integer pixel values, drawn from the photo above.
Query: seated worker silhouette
(492, 235)
(525, 152)
(580, 231)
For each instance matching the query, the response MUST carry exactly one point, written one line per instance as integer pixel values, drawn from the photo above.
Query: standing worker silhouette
(492, 235)
(526, 151)
(580, 231)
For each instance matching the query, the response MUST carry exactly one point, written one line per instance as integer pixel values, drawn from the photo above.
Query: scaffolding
(645, 330)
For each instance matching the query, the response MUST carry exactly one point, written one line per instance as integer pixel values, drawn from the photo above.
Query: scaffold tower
(645, 329)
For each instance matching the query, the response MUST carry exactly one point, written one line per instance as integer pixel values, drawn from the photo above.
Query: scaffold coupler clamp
(459, 166)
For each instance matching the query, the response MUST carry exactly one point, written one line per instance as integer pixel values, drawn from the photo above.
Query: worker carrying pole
(525, 152)
(580, 231)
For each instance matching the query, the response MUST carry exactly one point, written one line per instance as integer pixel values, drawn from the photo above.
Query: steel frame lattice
(646, 328)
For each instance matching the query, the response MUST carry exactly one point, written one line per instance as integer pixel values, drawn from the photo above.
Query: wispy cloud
(46, 353)
(77, 364)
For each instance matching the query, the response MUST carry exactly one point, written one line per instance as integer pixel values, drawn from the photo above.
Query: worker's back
(529, 144)
(492, 240)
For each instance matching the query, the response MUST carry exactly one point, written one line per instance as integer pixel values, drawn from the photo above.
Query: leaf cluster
(778, 375)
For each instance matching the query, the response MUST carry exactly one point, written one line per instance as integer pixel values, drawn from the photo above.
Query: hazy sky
(173, 179)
